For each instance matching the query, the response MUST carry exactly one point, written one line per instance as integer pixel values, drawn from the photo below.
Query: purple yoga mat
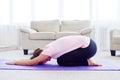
(52, 65)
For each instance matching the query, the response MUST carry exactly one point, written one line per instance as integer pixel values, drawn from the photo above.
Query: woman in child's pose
(73, 50)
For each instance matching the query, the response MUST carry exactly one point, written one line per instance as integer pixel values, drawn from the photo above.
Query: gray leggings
(78, 57)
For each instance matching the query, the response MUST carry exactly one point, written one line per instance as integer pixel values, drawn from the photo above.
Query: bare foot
(92, 63)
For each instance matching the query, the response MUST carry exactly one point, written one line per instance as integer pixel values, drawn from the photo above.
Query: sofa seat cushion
(61, 34)
(42, 35)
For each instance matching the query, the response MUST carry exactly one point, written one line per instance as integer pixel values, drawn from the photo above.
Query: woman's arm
(29, 62)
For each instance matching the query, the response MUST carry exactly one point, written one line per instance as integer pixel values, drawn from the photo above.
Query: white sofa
(114, 41)
(43, 32)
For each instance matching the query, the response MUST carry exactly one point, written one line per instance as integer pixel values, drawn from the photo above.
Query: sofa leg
(112, 52)
(25, 51)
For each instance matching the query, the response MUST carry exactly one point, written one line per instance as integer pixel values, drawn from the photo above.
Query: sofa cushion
(61, 34)
(74, 25)
(45, 26)
(42, 35)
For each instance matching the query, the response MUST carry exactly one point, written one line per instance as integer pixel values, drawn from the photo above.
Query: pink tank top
(65, 44)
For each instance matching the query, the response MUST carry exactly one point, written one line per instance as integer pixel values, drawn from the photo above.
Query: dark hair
(36, 53)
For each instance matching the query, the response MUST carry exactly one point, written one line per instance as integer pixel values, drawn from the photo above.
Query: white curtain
(14, 14)
(104, 16)
(4, 21)
(76, 9)
(45, 9)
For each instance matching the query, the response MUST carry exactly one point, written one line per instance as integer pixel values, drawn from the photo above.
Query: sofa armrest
(87, 30)
(28, 30)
